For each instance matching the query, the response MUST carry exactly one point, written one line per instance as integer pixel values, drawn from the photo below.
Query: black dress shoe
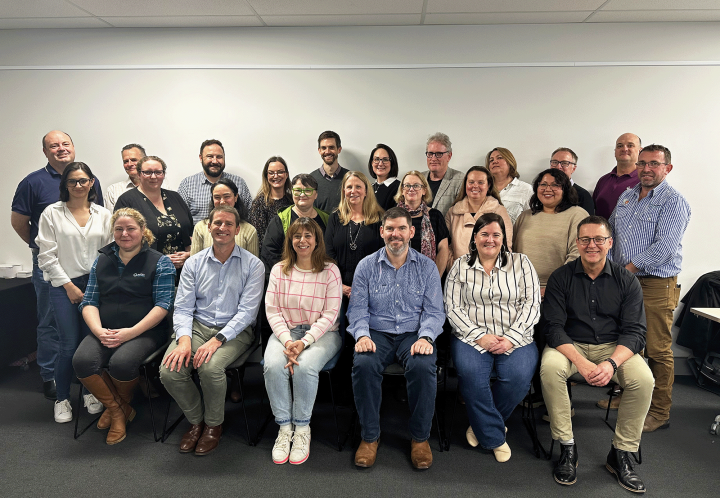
(49, 390)
(618, 462)
(566, 469)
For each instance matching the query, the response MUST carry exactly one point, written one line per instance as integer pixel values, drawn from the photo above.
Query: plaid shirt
(195, 191)
(163, 285)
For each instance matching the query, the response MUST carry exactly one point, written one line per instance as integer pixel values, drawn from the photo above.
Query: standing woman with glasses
(431, 232)
(70, 233)
(168, 217)
(383, 166)
(304, 192)
(492, 300)
(515, 194)
(275, 195)
(353, 230)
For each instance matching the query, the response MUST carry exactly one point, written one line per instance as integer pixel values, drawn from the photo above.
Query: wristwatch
(220, 337)
(428, 340)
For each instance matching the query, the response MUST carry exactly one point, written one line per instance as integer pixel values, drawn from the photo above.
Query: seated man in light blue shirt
(396, 313)
(215, 308)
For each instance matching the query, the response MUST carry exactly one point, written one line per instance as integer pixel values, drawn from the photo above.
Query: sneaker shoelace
(283, 439)
(301, 440)
(64, 406)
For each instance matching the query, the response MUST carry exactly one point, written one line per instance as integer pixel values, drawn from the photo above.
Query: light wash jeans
(295, 405)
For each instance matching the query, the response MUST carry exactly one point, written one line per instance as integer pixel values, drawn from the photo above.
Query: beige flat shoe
(471, 439)
(502, 453)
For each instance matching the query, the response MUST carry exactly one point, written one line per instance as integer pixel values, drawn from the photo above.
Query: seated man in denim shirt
(395, 314)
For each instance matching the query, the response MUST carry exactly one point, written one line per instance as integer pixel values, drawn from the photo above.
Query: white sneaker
(300, 445)
(281, 449)
(92, 404)
(63, 411)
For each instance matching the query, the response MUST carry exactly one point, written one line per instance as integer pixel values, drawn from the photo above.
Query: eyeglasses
(415, 186)
(378, 160)
(545, 186)
(148, 174)
(563, 164)
(81, 181)
(652, 164)
(599, 241)
(436, 155)
(276, 173)
(297, 192)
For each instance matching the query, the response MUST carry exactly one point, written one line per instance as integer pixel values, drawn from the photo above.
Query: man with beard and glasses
(396, 314)
(195, 189)
(330, 175)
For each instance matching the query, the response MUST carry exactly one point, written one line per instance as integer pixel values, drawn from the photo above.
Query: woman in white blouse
(302, 305)
(492, 300)
(70, 233)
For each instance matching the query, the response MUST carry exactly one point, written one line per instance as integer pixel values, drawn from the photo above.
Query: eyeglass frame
(72, 182)
(641, 164)
(149, 174)
(299, 192)
(551, 186)
(413, 187)
(563, 164)
(436, 155)
(593, 239)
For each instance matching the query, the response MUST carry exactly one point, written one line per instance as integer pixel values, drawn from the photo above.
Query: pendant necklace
(353, 243)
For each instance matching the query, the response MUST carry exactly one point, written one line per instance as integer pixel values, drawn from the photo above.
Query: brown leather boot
(421, 454)
(101, 388)
(366, 454)
(125, 390)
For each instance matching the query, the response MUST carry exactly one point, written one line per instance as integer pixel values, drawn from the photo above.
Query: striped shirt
(303, 298)
(163, 284)
(649, 232)
(195, 191)
(505, 303)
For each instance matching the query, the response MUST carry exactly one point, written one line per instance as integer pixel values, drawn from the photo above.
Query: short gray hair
(440, 138)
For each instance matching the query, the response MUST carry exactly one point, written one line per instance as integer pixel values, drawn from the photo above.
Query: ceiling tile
(339, 20)
(129, 8)
(183, 21)
(662, 5)
(479, 6)
(39, 8)
(656, 16)
(508, 18)
(54, 22)
(329, 7)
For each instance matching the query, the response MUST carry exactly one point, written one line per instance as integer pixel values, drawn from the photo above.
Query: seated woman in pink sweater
(302, 305)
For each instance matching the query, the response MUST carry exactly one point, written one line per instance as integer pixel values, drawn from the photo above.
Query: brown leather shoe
(614, 404)
(652, 424)
(190, 438)
(420, 454)
(209, 440)
(366, 454)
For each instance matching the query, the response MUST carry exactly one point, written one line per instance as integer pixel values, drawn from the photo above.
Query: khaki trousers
(633, 375)
(213, 381)
(661, 296)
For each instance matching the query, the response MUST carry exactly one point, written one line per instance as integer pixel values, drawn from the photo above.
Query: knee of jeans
(274, 367)
(420, 364)
(367, 362)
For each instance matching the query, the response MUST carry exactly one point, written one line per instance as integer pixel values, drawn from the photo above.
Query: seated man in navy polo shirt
(396, 313)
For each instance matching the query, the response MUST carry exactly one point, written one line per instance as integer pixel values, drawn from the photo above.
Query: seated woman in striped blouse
(302, 305)
(492, 300)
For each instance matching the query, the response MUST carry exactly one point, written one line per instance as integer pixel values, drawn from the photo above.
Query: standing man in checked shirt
(195, 189)
(648, 223)
(396, 313)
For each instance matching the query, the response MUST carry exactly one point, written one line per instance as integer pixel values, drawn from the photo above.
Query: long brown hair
(266, 189)
(318, 258)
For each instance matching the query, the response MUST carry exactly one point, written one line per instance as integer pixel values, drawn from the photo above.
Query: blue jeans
(47, 334)
(296, 405)
(421, 375)
(489, 407)
(71, 330)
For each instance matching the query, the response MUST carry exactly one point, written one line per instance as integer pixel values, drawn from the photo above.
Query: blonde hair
(371, 209)
(139, 219)
(428, 197)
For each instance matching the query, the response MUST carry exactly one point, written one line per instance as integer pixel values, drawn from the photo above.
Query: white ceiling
(21, 14)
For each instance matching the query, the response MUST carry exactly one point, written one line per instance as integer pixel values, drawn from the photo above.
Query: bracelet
(614, 365)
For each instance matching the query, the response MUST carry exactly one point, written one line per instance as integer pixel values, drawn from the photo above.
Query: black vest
(126, 298)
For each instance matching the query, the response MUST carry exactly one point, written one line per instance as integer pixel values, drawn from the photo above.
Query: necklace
(353, 244)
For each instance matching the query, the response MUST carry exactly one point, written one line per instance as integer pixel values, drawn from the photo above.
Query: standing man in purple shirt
(34, 193)
(623, 176)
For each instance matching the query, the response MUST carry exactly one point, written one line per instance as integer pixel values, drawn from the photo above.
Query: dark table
(18, 320)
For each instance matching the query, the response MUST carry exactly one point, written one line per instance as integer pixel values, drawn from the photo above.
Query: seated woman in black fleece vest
(126, 302)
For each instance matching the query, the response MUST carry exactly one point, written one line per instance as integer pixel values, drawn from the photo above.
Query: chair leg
(528, 418)
(78, 407)
(168, 430)
(144, 370)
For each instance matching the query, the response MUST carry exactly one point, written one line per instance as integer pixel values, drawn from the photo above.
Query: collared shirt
(115, 190)
(68, 250)
(607, 309)
(195, 191)
(37, 191)
(338, 173)
(396, 301)
(163, 284)
(649, 232)
(505, 303)
(608, 190)
(516, 197)
(216, 294)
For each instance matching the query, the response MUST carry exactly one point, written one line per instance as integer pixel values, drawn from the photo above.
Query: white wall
(266, 91)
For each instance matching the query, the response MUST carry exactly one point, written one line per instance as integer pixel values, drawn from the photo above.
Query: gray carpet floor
(41, 458)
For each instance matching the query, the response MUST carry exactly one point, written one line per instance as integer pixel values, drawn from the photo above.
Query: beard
(211, 173)
(398, 251)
